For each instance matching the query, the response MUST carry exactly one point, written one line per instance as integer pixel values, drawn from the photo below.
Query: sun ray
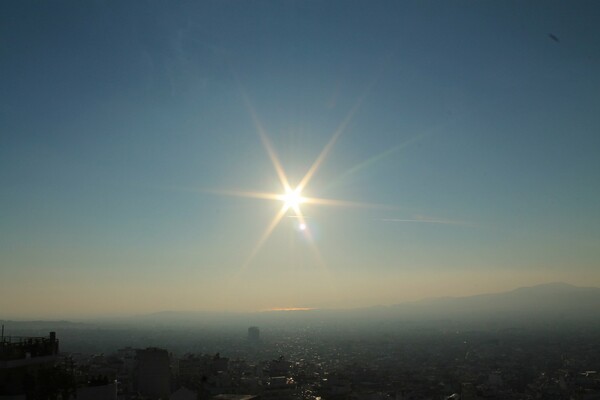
(313, 168)
(265, 236)
(338, 132)
(241, 193)
(344, 203)
(374, 159)
(275, 160)
(266, 142)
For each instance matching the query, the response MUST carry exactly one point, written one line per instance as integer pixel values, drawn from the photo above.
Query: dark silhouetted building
(27, 366)
(153, 373)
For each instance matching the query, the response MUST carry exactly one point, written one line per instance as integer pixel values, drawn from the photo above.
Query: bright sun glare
(292, 198)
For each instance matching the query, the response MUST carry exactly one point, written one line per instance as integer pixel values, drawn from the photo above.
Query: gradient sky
(473, 133)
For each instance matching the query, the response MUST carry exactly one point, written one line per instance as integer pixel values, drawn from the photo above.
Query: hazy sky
(473, 135)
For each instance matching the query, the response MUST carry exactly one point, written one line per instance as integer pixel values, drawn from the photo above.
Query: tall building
(254, 334)
(153, 373)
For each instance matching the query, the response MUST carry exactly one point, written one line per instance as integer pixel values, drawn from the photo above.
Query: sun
(292, 198)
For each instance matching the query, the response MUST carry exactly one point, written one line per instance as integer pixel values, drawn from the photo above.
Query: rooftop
(27, 347)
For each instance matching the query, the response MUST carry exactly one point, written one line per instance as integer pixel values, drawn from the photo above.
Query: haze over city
(251, 155)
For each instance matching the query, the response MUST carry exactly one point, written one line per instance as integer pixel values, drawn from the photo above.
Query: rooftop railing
(17, 347)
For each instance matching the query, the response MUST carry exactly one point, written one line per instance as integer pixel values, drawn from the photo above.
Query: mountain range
(554, 302)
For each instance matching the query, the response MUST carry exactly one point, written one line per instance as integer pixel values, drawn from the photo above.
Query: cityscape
(309, 357)
(299, 200)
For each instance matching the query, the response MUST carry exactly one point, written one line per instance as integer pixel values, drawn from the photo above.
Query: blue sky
(120, 119)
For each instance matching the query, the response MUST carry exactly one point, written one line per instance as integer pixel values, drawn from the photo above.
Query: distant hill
(555, 303)
(548, 303)
(553, 300)
(41, 325)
